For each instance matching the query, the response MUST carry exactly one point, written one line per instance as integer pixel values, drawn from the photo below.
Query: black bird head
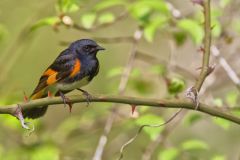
(86, 47)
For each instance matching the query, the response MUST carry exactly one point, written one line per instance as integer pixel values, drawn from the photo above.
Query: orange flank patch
(76, 68)
(49, 72)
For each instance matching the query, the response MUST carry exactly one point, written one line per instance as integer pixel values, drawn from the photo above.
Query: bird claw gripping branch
(87, 95)
(192, 94)
(66, 101)
(133, 106)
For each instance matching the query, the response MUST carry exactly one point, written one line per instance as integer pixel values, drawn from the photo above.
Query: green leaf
(49, 21)
(142, 86)
(176, 86)
(113, 72)
(136, 72)
(46, 152)
(143, 9)
(193, 28)
(218, 157)
(156, 5)
(117, 71)
(158, 69)
(232, 98)
(141, 13)
(217, 29)
(68, 6)
(180, 37)
(88, 19)
(221, 122)
(194, 145)
(151, 119)
(192, 118)
(151, 28)
(106, 18)
(109, 3)
(168, 154)
(216, 25)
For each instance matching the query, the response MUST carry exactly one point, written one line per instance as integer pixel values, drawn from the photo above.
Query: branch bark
(207, 45)
(162, 103)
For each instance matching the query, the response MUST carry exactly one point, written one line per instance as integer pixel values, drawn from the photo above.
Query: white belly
(74, 85)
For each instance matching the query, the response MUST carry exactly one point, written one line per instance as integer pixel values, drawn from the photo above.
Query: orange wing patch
(52, 76)
(52, 79)
(49, 72)
(76, 68)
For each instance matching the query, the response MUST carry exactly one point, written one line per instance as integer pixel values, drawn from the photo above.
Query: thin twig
(225, 65)
(160, 140)
(140, 130)
(193, 92)
(207, 46)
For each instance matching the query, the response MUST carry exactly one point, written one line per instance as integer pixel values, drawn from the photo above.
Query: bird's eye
(86, 48)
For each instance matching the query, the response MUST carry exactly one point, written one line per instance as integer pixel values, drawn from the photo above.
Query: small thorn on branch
(201, 49)
(192, 94)
(133, 108)
(211, 69)
(25, 98)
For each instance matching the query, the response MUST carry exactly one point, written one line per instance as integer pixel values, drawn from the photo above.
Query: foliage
(167, 71)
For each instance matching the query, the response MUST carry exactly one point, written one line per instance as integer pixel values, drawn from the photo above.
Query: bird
(74, 68)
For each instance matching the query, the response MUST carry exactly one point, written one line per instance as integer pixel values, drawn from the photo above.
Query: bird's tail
(34, 113)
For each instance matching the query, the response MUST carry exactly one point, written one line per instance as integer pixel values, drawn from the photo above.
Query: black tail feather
(34, 113)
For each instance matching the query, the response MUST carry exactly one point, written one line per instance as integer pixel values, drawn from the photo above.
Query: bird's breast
(73, 85)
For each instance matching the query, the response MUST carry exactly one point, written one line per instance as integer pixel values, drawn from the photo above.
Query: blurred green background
(33, 33)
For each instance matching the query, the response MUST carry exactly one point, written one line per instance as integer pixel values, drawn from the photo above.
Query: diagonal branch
(207, 45)
(162, 103)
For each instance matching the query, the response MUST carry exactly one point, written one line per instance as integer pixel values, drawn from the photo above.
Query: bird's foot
(66, 101)
(87, 95)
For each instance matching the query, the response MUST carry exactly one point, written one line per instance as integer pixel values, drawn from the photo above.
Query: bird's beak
(99, 48)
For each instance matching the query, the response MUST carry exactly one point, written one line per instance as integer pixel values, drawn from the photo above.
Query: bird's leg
(86, 94)
(50, 94)
(66, 101)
